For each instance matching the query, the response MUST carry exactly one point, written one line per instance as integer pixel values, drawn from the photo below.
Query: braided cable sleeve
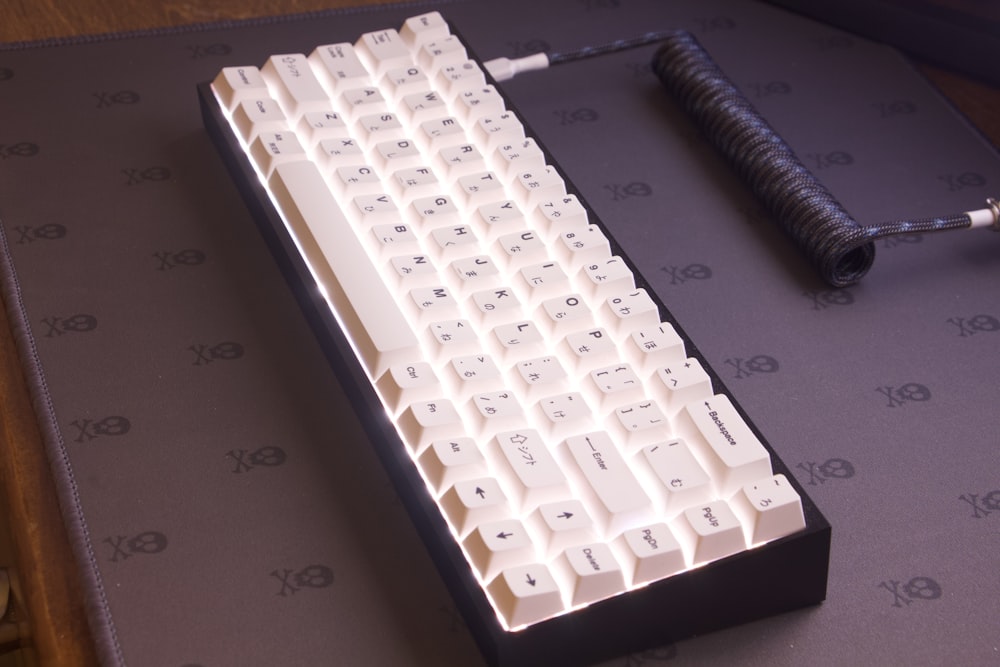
(840, 248)
(556, 58)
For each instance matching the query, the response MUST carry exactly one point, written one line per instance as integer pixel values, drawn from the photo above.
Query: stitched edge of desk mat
(773, 300)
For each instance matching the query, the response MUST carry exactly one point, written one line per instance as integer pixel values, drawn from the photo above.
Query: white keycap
(382, 50)
(535, 476)
(622, 501)
(540, 376)
(537, 282)
(609, 387)
(423, 107)
(377, 326)
(449, 242)
(418, 30)
(452, 338)
(494, 129)
(253, 116)
(385, 239)
(639, 424)
(769, 508)
(601, 279)
(435, 211)
(293, 83)
(454, 77)
(495, 306)
(338, 67)
(498, 217)
(650, 553)
(272, 148)
(411, 271)
(517, 340)
(680, 383)
(396, 154)
(517, 156)
(626, 312)
(564, 414)
(406, 383)
(434, 55)
(526, 594)
(499, 545)
(355, 103)
(518, 249)
(562, 524)
(438, 133)
(432, 304)
(473, 373)
(471, 104)
(459, 160)
(682, 481)
(492, 411)
(314, 126)
(478, 188)
(407, 181)
(555, 217)
(590, 572)
(470, 273)
(562, 315)
(535, 186)
(422, 422)
(234, 84)
(339, 152)
(448, 461)
(380, 126)
(732, 454)
(588, 349)
(473, 502)
(356, 179)
(654, 347)
(710, 531)
(579, 247)
(378, 210)
(406, 80)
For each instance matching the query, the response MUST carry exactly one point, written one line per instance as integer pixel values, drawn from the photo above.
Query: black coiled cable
(840, 248)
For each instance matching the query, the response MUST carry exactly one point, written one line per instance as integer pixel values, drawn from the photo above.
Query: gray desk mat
(223, 502)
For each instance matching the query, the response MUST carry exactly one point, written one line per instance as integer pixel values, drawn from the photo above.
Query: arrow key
(472, 502)
(498, 545)
(560, 525)
(526, 594)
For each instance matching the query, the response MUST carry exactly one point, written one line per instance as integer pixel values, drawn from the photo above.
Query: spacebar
(378, 329)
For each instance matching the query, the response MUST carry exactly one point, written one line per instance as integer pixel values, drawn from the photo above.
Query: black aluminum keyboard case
(787, 574)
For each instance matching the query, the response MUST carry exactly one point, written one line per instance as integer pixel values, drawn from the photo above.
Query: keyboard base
(780, 576)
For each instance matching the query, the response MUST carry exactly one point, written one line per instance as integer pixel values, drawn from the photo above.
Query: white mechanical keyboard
(562, 451)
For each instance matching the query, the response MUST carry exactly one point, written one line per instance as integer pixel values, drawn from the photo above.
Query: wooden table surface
(44, 563)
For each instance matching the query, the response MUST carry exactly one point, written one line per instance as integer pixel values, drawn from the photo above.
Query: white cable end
(502, 69)
(986, 217)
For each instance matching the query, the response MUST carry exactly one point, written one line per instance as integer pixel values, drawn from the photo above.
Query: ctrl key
(526, 594)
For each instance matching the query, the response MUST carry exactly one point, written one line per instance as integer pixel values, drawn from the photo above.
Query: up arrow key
(470, 503)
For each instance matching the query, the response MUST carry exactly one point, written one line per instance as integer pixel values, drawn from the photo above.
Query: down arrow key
(526, 594)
